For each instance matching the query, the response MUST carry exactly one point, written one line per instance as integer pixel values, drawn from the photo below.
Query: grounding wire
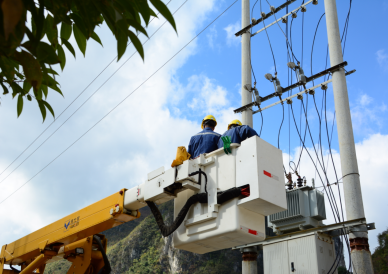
(55, 119)
(122, 100)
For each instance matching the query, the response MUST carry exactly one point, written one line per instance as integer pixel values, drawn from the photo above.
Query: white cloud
(367, 114)
(382, 58)
(139, 136)
(231, 29)
(212, 36)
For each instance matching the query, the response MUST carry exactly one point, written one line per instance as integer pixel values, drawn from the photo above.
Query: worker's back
(203, 142)
(238, 134)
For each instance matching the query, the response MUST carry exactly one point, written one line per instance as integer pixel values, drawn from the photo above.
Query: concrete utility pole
(249, 263)
(360, 254)
(249, 255)
(246, 78)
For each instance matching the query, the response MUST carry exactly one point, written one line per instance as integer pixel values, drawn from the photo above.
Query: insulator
(300, 182)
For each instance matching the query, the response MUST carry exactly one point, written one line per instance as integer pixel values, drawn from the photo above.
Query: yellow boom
(72, 237)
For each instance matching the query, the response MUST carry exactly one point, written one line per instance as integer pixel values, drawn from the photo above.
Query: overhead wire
(287, 42)
(63, 112)
(121, 100)
(5, 178)
(269, 41)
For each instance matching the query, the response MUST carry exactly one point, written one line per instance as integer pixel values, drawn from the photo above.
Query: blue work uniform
(203, 142)
(238, 134)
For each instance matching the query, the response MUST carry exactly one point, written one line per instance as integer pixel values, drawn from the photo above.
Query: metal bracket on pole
(298, 84)
(247, 28)
(302, 7)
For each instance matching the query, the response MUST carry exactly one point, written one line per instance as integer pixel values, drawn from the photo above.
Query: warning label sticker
(251, 231)
(266, 173)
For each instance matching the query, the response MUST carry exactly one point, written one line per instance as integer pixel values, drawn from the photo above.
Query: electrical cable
(331, 196)
(276, 20)
(67, 106)
(321, 164)
(82, 103)
(273, 56)
(312, 48)
(262, 122)
(324, 187)
(121, 100)
(280, 128)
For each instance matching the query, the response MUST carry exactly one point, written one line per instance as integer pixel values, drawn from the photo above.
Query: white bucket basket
(210, 227)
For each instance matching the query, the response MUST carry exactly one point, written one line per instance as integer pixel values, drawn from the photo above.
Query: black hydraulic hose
(106, 269)
(222, 197)
(200, 177)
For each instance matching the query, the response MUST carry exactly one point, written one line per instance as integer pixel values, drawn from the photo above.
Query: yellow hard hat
(208, 117)
(234, 122)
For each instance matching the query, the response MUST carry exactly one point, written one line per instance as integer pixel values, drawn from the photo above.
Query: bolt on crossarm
(360, 254)
(246, 77)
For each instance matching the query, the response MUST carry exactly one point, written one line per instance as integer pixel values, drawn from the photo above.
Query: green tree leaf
(51, 30)
(79, 23)
(29, 98)
(61, 56)
(137, 26)
(80, 38)
(122, 38)
(162, 8)
(5, 89)
(96, 38)
(42, 109)
(136, 42)
(16, 90)
(7, 67)
(65, 31)
(31, 68)
(20, 105)
(144, 9)
(27, 86)
(46, 53)
(44, 90)
(47, 105)
(69, 47)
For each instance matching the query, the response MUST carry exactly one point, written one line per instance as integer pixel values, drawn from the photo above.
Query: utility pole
(360, 254)
(249, 263)
(249, 255)
(246, 78)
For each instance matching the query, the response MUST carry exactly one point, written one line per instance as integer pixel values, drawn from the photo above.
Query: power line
(81, 104)
(63, 111)
(121, 100)
(273, 56)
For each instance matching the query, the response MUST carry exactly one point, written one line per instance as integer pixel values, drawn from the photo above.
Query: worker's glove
(226, 140)
(181, 156)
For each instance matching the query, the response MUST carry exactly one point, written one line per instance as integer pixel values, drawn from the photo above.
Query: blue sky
(205, 78)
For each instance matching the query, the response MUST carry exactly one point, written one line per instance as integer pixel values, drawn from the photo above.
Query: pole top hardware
(239, 33)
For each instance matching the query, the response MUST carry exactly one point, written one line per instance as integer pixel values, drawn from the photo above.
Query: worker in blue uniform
(205, 141)
(237, 133)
